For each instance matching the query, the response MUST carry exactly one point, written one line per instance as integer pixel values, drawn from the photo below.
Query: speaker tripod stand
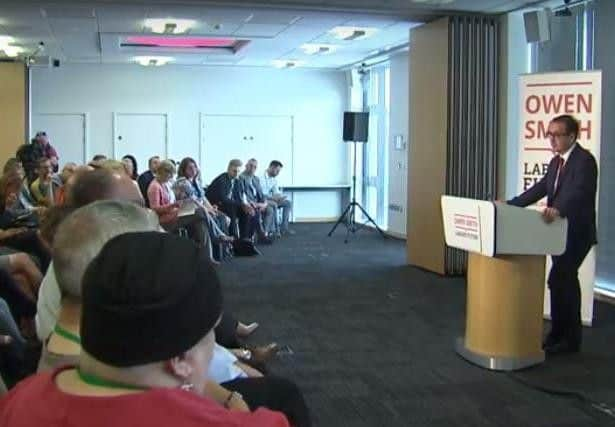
(348, 217)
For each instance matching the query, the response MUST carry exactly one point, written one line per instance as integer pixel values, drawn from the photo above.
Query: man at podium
(570, 188)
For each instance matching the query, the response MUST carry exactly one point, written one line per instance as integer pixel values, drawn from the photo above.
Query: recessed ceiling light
(352, 33)
(286, 63)
(318, 49)
(169, 25)
(152, 61)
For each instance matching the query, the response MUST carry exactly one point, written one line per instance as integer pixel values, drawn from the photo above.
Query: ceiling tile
(259, 30)
(68, 11)
(73, 25)
(219, 14)
(273, 17)
(81, 46)
(176, 11)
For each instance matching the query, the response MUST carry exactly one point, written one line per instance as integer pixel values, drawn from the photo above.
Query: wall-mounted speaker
(537, 25)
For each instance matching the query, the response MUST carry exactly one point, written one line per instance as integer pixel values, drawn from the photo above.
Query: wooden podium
(507, 246)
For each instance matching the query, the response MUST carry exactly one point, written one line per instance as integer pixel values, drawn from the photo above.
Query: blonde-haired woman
(160, 201)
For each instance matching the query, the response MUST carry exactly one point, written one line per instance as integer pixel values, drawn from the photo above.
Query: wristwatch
(246, 354)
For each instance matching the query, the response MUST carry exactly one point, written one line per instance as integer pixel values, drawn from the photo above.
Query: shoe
(245, 330)
(263, 354)
(265, 240)
(288, 233)
(549, 341)
(562, 347)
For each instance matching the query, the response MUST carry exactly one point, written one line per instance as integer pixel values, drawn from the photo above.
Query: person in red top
(150, 302)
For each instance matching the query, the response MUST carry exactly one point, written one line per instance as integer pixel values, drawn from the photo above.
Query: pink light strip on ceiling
(161, 41)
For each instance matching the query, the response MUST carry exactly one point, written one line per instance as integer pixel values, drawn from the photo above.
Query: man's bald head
(101, 184)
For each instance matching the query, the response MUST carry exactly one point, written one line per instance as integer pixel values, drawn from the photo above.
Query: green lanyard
(94, 380)
(67, 334)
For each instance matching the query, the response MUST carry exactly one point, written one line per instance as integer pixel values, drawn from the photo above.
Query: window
(374, 178)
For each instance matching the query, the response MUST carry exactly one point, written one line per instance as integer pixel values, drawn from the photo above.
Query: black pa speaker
(356, 126)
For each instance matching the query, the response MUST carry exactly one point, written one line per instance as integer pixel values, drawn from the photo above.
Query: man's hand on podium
(550, 214)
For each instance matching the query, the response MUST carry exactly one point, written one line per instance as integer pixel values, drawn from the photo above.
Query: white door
(142, 135)
(265, 138)
(67, 133)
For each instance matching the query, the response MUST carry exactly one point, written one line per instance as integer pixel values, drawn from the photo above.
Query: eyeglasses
(556, 134)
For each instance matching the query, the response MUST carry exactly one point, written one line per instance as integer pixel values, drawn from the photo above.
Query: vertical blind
(472, 115)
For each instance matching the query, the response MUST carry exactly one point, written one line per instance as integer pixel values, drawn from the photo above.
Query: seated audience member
(60, 180)
(97, 160)
(28, 155)
(42, 187)
(14, 348)
(188, 187)
(13, 213)
(17, 232)
(77, 240)
(158, 195)
(131, 166)
(275, 197)
(256, 198)
(24, 271)
(147, 177)
(22, 204)
(22, 306)
(84, 187)
(226, 192)
(134, 368)
(41, 140)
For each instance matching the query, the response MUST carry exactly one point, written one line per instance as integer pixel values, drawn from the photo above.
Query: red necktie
(560, 170)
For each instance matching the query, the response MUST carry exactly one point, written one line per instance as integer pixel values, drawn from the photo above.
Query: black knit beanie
(147, 297)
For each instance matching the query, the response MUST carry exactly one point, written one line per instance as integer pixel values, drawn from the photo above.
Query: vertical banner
(543, 97)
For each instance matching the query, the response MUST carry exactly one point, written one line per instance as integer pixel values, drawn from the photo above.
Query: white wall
(514, 63)
(398, 159)
(315, 99)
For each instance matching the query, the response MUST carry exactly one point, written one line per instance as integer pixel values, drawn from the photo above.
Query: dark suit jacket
(144, 180)
(575, 197)
(218, 191)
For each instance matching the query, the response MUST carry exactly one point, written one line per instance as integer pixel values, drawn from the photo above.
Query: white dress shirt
(48, 304)
(222, 367)
(269, 185)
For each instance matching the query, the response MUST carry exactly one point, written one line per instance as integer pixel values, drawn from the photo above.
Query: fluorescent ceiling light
(6, 45)
(156, 61)
(352, 33)
(6, 40)
(11, 51)
(285, 63)
(180, 42)
(318, 49)
(169, 25)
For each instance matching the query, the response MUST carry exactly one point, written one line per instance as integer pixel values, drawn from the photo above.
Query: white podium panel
(491, 229)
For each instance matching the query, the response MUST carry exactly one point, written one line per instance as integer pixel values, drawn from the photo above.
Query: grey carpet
(373, 340)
